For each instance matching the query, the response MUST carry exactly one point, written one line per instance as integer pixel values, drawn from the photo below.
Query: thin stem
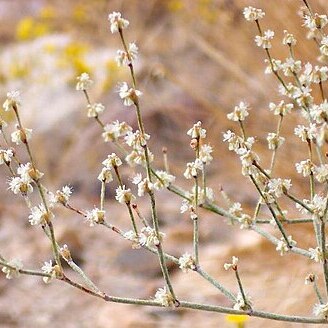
(280, 227)
(324, 253)
(241, 289)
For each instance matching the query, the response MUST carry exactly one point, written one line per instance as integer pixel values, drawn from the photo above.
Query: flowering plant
(297, 82)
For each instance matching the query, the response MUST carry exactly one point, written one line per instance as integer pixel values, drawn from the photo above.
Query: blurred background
(197, 61)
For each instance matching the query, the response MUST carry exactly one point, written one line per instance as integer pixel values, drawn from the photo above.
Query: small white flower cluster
(245, 220)
(83, 82)
(187, 262)
(316, 254)
(21, 135)
(278, 187)
(12, 101)
(95, 109)
(306, 133)
(281, 109)
(26, 175)
(50, 269)
(188, 205)
(288, 39)
(264, 41)
(147, 237)
(61, 196)
(117, 22)
(129, 95)
(239, 113)
(124, 195)
(13, 272)
(40, 215)
(95, 216)
(240, 302)
(124, 58)
(137, 141)
(197, 132)
(164, 297)
(253, 14)
(282, 246)
(112, 161)
(232, 265)
(6, 156)
(317, 206)
(274, 141)
(115, 130)
(321, 310)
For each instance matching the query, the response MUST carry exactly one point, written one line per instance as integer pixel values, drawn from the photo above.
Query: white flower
(13, 100)
(274, 65)
(61, 196)
(13, 272)
(281, 109)
(123, 58)
(316, 21)
(253, 14)
(164, 297)
(21, 135)
(123, 195)
(282, 246)
(197, 132)
(316, 254)
(115, 130)
(274, 141)
(131, 235)
(291, 66)
(186, 263)
(239, 113)
(245, 221)
(232, 265)
(236, 209)
(28, 173)
(305, 167)
(48, 268)
(320, 310)
(240, 302)
(321, 173)
(279, 186)
(83, 82)
(19, 185)
(116, 22)
(137, 139)
(185, 206)
(149, 237)
(205, 153)
(265, 40)
(317, 205)
(40, 215)
(95, 109)
(192, 167)
(65, 253)
(129, 95)
(112, 161)
(144, 186)
(95, 216)
(288, 39)
(306, 133)
(5, 156)
(105, 175)
(163, 179)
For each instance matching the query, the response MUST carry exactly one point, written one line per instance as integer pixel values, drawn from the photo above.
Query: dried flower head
(12, 101)
(83, 82)
(117, 22)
